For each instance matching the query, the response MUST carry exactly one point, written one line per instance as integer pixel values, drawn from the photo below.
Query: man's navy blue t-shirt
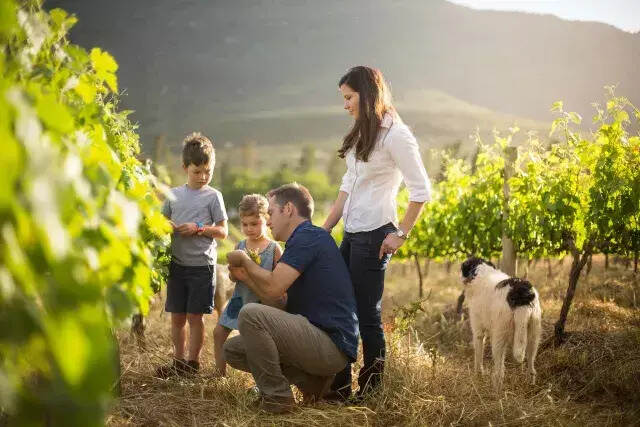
(323, 292)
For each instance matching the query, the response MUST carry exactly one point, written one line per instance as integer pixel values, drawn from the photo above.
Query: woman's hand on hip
(390, 245)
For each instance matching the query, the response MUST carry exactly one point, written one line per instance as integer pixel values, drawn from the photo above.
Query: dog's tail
(521, 316)
(534, 334)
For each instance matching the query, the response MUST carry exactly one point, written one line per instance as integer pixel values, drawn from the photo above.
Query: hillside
(216, 65)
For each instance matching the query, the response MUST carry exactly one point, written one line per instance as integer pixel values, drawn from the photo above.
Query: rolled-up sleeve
(405, 152)
(347, 180)
(166, 208)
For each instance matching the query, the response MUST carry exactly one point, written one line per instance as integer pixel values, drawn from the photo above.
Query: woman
(380, 152)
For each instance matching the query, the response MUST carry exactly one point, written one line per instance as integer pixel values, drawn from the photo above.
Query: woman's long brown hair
(375, 101)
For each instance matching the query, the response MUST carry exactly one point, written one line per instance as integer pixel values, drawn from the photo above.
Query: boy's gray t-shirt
(204, 205)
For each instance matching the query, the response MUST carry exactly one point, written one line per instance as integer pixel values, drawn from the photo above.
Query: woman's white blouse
(373, 186)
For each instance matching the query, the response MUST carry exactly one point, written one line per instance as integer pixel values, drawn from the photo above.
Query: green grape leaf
(556, 106)
(8, 22)
(54, 114)
(105, 67)
(70, 348)
(86, 89)
(575, 118)
(102, 62)
(61, 20)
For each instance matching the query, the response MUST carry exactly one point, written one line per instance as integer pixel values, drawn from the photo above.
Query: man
(317, 335)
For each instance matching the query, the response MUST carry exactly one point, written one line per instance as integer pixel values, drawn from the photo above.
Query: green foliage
(80, 224)
(574, 194)
(579, 194)
(239, 182)
(465, 215)
(404, 317)
(614, 217)
(545, 199)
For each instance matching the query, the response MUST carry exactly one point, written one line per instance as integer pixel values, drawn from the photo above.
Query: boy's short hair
(253, 204)
(297, 194)
(198, 150)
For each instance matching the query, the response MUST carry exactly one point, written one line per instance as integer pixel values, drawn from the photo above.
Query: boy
(198, 217)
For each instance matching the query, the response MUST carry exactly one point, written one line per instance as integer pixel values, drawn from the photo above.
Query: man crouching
(312, 340)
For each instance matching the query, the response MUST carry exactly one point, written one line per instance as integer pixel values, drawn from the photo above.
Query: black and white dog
(505, 308)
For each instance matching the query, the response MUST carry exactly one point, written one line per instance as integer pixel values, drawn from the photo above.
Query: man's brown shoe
(277, 404)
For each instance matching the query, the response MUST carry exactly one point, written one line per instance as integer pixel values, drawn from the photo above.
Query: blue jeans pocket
(376, 237)
(375, 263)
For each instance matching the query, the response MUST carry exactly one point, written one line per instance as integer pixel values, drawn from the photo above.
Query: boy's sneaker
(175, 368)
(191, 367)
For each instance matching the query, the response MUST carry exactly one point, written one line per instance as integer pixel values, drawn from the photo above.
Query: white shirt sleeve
(405, 152)
(347, 180)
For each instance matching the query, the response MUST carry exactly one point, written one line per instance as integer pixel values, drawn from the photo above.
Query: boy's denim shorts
(190, 289)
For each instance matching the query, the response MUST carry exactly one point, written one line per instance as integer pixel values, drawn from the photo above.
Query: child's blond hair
(253, 204)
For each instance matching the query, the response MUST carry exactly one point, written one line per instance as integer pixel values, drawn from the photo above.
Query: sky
(624, 14)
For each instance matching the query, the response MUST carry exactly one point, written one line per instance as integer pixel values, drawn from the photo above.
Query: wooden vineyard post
(509, 261)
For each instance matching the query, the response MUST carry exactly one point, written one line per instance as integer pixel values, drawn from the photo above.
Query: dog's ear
(468, 268)
(465, 268)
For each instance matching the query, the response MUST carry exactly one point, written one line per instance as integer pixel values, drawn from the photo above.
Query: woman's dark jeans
(360, 252)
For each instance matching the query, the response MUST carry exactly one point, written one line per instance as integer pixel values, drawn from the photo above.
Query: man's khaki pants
(280, 349)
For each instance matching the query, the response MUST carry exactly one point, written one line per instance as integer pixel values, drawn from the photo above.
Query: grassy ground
(594, 379)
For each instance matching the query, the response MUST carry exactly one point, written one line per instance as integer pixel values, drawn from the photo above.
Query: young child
(253, 219)
(198, 217)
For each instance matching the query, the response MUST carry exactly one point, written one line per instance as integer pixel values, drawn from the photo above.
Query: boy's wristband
(200, 226)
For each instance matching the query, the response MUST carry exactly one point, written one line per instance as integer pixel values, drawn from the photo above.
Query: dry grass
(594, 379)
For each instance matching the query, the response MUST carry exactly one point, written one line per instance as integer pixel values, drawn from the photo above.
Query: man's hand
(390, 245)
(237, 258)
(187, 229)
(238, 274)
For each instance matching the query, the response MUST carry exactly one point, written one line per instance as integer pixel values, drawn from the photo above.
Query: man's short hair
(297, 194)
(198, 150)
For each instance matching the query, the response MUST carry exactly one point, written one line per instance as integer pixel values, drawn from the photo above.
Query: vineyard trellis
(576, 195)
